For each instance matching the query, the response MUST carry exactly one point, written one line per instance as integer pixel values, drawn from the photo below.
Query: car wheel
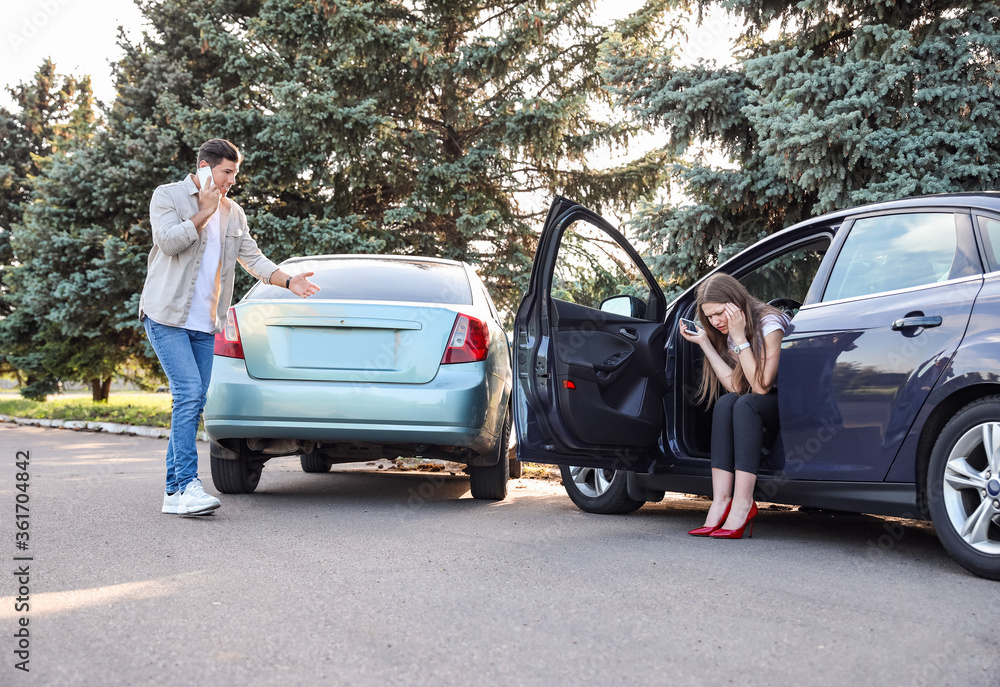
(490, 481)
(599, 490)
(236, 474)
(314, 462)
(963, 487)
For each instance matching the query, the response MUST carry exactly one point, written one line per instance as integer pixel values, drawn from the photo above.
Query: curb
(109, 427)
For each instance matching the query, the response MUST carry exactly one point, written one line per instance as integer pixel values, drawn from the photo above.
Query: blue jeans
(186, 357)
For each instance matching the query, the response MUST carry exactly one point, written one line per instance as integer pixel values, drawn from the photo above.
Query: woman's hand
(698, 336)
(722, 369)
(737, 324)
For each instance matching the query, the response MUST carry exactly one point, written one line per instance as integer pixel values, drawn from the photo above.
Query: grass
(130, 409)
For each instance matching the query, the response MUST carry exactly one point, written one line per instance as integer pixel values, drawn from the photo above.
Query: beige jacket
(172, 267)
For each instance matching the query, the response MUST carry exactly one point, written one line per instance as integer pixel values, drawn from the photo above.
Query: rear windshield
(377, 280)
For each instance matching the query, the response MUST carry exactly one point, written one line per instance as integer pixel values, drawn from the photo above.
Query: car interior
(593, 273)
(781, 280)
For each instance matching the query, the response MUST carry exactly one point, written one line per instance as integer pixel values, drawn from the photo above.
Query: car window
(485, 295)
(787, 275)
(896, 252)
(489, 302)
(991, 239)
(592, 267)
(368, 279)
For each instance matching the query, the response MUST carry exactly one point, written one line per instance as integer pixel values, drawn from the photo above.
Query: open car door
(589, 339)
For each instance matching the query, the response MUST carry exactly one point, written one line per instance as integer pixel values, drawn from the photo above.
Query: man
(198, 236)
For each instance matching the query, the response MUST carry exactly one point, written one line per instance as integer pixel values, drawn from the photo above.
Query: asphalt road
(376, 578)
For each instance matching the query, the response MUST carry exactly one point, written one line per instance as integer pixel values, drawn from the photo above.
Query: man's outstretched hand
(301, 286)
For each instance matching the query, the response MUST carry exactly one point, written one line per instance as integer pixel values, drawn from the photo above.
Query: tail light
(469, 342)
(227, 342)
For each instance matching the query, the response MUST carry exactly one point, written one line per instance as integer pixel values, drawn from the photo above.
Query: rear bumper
(460, 407)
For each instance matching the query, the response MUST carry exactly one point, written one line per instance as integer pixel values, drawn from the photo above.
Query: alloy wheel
(592, 482)
(971, 489)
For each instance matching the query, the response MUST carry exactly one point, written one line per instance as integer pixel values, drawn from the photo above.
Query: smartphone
(204, 175)
(690, 325)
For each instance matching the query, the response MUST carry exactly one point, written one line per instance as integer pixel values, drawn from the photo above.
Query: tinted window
(366, 279)
(896, 252)
(991, 239)
(788, 275)
(592, 267)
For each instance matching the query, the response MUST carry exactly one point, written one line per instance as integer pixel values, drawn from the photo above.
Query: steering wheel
(788, 305)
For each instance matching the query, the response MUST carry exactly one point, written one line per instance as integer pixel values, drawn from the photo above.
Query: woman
(741, 341)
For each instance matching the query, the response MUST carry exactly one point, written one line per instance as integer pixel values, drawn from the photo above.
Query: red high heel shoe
(738, 533)
(706, 531)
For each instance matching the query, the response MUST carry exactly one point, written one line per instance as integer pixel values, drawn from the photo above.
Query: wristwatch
(289, 281)
(739, 347)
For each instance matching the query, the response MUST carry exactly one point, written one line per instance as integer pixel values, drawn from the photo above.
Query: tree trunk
(100, 390)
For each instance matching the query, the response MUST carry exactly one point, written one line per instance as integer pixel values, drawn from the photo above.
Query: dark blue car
(889, 379)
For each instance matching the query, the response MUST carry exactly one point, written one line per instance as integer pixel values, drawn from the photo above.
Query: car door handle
(911, 322)
(629, 333)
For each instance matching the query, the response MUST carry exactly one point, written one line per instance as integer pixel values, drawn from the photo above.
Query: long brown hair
(722, 288)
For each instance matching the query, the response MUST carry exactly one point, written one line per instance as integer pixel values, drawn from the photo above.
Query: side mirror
(630, 306)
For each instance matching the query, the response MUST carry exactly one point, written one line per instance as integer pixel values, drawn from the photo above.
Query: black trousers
(738, 423)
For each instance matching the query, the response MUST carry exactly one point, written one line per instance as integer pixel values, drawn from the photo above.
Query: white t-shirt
(769, 323)
(201, 317)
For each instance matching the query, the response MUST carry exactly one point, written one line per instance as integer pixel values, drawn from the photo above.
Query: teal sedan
(395, 356)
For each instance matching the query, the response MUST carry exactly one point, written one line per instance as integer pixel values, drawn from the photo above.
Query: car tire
(314, 462)
(237, 474)
(963, 487)
(599, 490)
(490, 482)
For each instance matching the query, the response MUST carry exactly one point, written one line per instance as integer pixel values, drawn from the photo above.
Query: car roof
(980, 200)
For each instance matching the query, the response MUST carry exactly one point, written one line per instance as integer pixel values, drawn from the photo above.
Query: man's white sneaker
(194, 500)
(170, 502)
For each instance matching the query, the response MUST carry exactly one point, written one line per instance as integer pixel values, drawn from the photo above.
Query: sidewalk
(109, 427)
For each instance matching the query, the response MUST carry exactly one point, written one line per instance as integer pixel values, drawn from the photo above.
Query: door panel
(855, 371)
(849, 396)
(589, 383)
(608, 385)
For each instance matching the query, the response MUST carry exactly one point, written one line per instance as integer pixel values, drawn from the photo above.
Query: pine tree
(422, 127)
(74, 293)
(54, 114)
(402, 127)
(852, 102)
